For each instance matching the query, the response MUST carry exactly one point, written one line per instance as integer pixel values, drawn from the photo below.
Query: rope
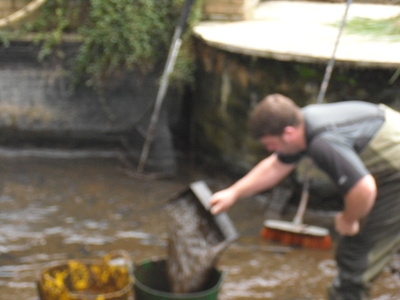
(329, 67)
(21, 13)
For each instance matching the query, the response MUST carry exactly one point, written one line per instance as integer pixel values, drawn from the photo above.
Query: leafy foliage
(121, 34)
(115, 35)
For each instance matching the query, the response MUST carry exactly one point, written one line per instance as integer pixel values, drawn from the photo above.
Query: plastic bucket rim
(121, 292)
(203, 293)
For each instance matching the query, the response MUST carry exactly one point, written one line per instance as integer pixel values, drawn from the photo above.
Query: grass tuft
(381, 28)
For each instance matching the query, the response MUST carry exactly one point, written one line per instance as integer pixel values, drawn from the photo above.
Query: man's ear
(289, 133)
(290, 130)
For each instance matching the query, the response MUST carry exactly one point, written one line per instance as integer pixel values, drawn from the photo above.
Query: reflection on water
(61, 205)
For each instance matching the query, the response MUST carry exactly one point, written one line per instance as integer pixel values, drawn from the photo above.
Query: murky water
(65, 205)
(194, 245)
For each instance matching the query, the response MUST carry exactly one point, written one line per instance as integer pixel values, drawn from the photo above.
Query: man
(358, 145)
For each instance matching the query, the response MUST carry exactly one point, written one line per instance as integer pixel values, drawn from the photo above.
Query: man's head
(278, 123)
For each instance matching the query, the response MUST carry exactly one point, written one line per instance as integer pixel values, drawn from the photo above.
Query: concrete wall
(39, 108)
(229, 85)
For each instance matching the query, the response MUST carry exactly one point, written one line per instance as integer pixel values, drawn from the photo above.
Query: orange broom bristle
(297, 239)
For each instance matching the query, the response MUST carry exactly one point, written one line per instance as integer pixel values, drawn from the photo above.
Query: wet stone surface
(56, 208)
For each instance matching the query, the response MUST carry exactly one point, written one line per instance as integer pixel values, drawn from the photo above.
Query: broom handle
(298, 219)
(21, 13)
(169, 66)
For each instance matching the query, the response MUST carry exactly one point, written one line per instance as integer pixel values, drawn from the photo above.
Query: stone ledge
(303, 31)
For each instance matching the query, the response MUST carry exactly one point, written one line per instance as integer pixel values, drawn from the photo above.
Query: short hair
(272, 114)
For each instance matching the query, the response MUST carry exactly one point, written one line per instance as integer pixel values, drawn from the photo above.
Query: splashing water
(193, 247)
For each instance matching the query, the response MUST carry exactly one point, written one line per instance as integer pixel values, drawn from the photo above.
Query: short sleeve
(338, 160)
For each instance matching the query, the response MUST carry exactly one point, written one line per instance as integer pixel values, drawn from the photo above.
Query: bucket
(151, 283)
(107, 279)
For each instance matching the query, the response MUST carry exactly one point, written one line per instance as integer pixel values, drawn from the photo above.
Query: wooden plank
(21, 2)
(215, 9)
(12, 5)
(229, 9)
(226, 2)
(242, 3)
(7, 7)
(219, 6)
(13, 18)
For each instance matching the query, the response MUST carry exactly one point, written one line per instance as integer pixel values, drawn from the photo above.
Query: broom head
(301, 235)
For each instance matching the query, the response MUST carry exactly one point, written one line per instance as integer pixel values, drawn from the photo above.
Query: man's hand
(222, 200)
(346, 227)
(359, 201)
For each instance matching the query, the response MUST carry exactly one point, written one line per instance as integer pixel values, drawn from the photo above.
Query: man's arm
(359, 201)
(265, 175)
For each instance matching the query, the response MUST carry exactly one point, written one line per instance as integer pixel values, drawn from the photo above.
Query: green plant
(115, 35)
(59, 17)
(376, 28)
(120, 34)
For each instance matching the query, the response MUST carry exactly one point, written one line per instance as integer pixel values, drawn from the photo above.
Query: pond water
(61, 205)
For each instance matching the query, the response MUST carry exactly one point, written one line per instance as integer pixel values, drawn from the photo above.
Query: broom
(296, 233)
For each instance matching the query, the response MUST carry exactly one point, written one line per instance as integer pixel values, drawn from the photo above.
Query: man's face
(286, 143)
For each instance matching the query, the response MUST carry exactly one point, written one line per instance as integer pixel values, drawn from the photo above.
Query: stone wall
(229, 85)
(39, 107)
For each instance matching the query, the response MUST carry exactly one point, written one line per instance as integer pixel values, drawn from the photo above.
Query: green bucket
(151, 283)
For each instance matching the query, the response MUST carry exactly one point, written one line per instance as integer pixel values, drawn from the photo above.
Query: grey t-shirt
(336, 133)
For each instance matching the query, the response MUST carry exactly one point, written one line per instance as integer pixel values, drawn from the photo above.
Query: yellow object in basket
(107, 279)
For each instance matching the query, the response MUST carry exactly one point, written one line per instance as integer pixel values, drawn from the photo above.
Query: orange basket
(106, 279)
